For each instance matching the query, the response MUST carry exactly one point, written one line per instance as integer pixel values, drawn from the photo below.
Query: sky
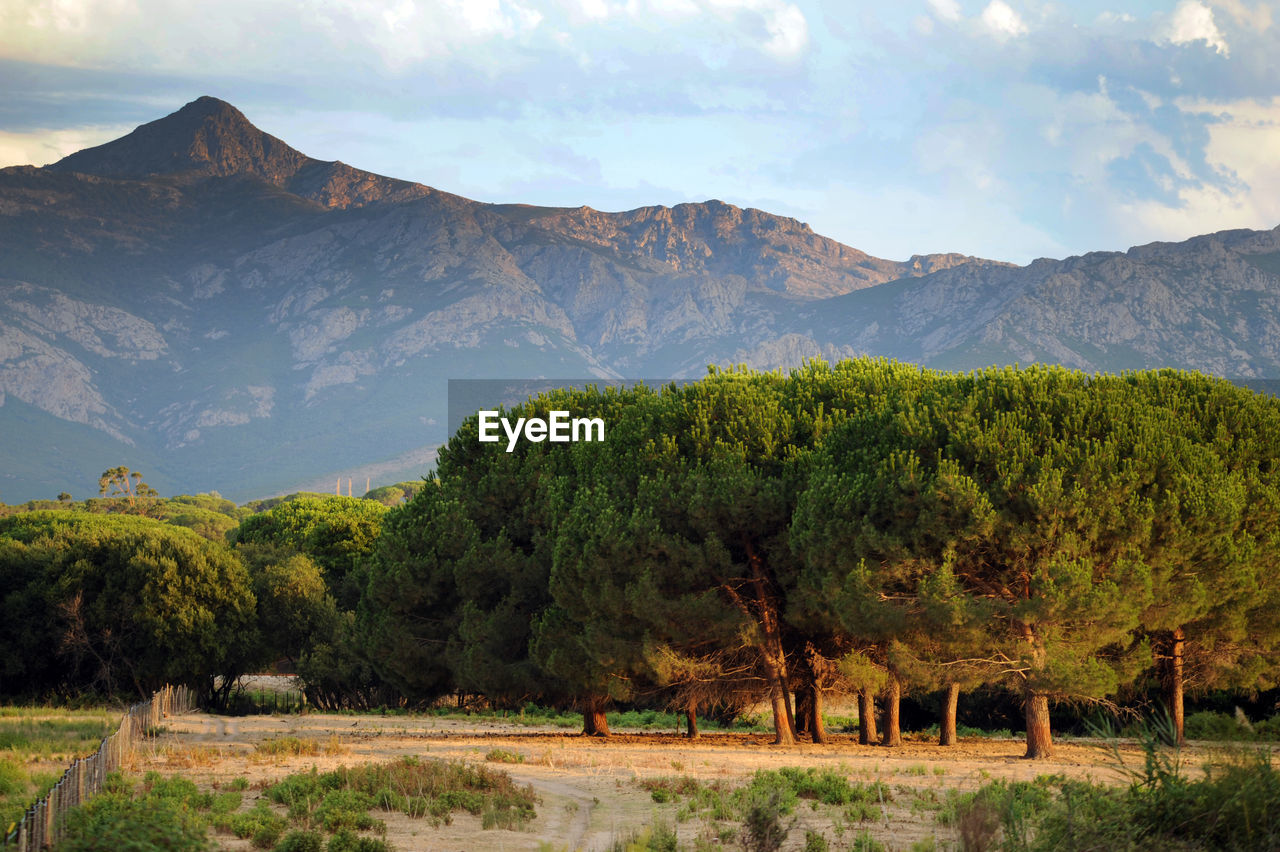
(1009, 129)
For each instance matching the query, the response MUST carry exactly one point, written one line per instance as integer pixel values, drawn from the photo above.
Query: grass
(299, 746)
(426, 789)
(1230, 804)
(68, 735)
(756, 812)
(37, 744)
(328, 812)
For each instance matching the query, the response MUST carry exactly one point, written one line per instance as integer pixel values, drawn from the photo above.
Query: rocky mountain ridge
(201, 300)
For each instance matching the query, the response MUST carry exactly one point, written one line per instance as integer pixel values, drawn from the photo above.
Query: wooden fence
(41, 826)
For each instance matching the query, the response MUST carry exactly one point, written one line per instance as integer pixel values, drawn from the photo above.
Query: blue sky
(1000, 128)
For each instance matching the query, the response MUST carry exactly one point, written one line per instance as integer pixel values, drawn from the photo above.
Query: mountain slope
(230, 313)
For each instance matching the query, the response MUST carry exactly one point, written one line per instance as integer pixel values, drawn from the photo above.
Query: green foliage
(763, 807)
(653, 838)
(815, 842)
(348, 841)
(735, 536)
(410, 612)
(307, 557)
(394, 495)
(114, 823)
(159, 814)
(301, 840)
(337, 532)
(118, 603)
(430, 789)
(295, 608)
(864, 842)
(261, 825)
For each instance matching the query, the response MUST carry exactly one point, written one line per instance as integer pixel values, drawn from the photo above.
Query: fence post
(48, 816)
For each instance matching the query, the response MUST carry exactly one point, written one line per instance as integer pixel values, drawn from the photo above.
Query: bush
(115, 822)
(261, 824)
(653, 838)
(763, 807)
(348, 841)
(301, 841)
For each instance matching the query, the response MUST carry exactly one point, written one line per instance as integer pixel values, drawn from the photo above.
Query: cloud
(39, 147)
(1258, 18)
(1193, 21)
(1001, 21)
(947, 10)
(1243, 142)
(788, 31)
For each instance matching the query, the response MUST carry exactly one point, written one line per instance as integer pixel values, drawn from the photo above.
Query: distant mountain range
(208, 305)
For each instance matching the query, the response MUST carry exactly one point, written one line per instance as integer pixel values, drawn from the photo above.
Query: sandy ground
(589, 795)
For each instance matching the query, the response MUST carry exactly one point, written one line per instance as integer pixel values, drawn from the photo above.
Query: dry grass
(185, 756)
(299, 746)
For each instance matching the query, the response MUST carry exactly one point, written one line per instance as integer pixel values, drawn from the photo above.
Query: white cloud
(595, 9)
(1193, 21)
(1110, 18)
(947, 10)
(271, 34)
(1000, 19)
(41, 147)
(1243, 142)
(788, 31)
(1258, 18)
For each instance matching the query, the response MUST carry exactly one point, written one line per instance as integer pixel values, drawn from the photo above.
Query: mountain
(208, 305)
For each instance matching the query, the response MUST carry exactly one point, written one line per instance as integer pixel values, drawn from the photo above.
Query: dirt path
(588, 790)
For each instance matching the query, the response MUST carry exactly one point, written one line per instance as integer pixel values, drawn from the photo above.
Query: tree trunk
(815, 723)
(866, 717)
(948, 735)
(892, 727)
(804, 710)
(691, 715)
(594, 723)
(1039, 737)
(763, 609)
(1173, 682)
(783, 733)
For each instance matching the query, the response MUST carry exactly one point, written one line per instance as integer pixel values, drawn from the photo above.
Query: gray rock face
(245, 317)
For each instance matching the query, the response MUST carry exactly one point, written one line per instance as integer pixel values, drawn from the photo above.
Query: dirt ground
(588, 786)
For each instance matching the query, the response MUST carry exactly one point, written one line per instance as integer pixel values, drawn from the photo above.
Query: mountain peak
(207, 137)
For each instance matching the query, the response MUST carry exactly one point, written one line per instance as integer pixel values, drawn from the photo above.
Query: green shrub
(261, 824)
(301, 841)
(1208, 725)
(345, 808)
(864, 842)
(815, 842)
(348, 841)
(114, 822)
(651, 838)
(763, 806)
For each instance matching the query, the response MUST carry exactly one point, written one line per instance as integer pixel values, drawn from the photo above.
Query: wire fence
(41, 826)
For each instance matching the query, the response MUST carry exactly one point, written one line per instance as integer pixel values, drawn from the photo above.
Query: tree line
(869, 527)
(866, 528)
